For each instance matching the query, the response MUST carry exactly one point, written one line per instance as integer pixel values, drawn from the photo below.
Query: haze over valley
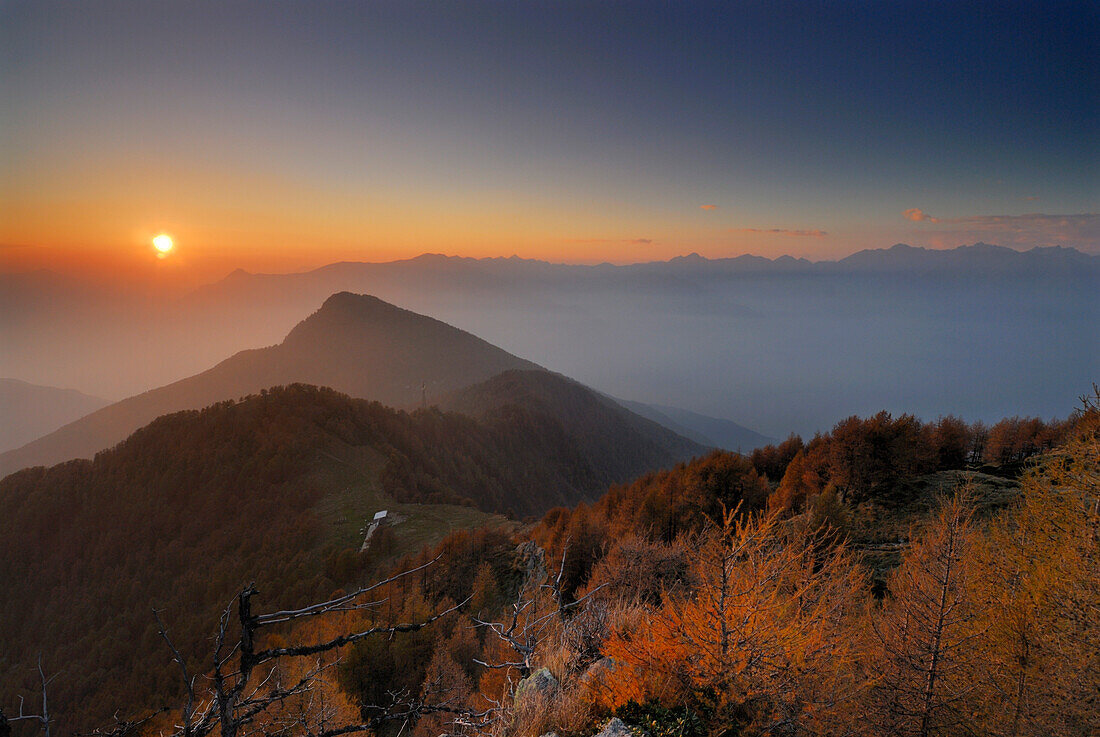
(778, 346)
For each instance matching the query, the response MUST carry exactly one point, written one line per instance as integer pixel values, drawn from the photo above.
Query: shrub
(660, 721)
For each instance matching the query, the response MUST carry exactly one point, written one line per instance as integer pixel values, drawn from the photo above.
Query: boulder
(597, 672)
(539, 685)
(615, 728)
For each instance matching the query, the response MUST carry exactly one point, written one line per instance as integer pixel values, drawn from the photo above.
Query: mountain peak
(347, 321)
(352, 301)
(983, 247)
(235, 276)
(367, 347)
(691, 258)
(356, 344)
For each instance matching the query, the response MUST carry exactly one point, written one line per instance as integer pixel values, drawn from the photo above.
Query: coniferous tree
(925, 654)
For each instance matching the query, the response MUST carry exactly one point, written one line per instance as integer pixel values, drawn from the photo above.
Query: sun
(163, 243)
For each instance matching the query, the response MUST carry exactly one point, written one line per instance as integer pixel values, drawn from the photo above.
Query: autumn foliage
(716, 599)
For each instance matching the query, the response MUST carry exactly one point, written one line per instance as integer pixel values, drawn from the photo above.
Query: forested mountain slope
(705, 601)
(275, 489)
(608, 434)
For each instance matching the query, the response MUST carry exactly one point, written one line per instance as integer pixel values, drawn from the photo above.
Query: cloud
(782, 231)
(633, 241)
(918, 215)
(1031, 198)
(708, 207)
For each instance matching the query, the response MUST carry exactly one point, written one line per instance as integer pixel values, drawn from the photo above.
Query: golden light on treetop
(163, 243)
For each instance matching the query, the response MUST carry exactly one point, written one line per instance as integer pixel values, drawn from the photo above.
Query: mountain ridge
(713, 432)
(689, 259)
(608, 431)
(338, 346)
(367, 348)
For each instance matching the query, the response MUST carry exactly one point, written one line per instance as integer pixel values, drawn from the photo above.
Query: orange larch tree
(763, 639)
(925, 644)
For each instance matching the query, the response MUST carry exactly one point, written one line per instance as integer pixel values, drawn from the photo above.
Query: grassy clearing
(427, 524)
(880, 530)
(353, 494)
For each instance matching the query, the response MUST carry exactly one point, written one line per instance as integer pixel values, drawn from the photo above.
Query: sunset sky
(282, 136)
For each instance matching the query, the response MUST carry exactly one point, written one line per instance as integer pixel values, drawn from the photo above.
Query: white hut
(380, 518)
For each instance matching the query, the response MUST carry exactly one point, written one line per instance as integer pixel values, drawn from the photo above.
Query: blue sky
(297, 133)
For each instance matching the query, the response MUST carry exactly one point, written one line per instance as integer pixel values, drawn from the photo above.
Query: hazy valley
(776, 346)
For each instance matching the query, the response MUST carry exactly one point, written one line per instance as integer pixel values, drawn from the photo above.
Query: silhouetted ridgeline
(712, 432)
(613, 435)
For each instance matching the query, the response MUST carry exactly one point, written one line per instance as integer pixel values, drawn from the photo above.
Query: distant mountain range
(779, 344)
(980, 257)
(30, 411)
(364, 347)
(983, 258)
(412, 281)
(486, 272)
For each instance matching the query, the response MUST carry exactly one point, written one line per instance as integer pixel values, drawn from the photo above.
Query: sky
(279, 136)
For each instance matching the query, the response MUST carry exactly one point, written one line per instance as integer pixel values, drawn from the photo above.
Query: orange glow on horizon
(268, 221)
(263, 223)
(132, 259)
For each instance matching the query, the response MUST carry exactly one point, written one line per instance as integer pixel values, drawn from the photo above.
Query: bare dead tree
(185, 676)
(249, 681)
(124, 727)
(530, 622)
(407, 709)
(253, 683)
(43, 717)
